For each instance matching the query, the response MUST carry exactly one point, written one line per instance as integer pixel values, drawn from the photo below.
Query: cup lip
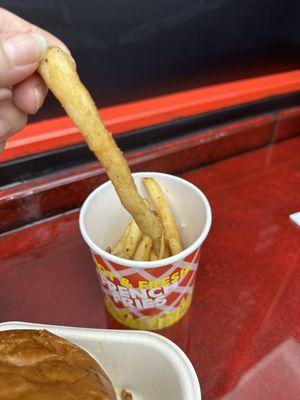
(147, 264)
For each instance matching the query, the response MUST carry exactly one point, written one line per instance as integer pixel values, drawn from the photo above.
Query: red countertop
(242, 332)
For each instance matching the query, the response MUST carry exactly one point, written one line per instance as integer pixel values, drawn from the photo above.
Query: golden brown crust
(38, 365)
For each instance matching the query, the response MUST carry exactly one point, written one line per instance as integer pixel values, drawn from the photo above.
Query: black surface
(73, 156)
(132, 49)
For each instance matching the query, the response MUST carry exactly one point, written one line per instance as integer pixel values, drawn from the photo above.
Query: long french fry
(127, 245)
(144, 249)
(165, 215)
(59, 73)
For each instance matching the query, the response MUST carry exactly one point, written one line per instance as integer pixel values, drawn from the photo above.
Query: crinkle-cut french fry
(143, 250)
(126, 247)
(165, 215)
(59, 73)
(152, 256)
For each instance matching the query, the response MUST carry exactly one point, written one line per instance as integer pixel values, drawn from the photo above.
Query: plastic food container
(148, 365)
(146, 295)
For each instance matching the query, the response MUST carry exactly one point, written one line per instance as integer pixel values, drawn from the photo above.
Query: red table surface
(242, 332)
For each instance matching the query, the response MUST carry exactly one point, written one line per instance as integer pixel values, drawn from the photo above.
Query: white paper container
(148, 365)
(103, 219)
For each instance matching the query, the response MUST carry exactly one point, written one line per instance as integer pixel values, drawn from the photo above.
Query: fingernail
(4, 129)
(38, 97)
(5, 93)
(25, 48)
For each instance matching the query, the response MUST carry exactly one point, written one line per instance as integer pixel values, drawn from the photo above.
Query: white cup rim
(149, 264)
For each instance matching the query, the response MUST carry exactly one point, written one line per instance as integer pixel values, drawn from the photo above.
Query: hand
(22, 91)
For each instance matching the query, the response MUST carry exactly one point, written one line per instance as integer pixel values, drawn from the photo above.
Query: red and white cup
(146, 295)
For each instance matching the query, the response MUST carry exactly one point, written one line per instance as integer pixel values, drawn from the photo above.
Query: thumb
(19, 56)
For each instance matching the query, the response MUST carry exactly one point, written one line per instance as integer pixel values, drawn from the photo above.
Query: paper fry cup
(146, 295)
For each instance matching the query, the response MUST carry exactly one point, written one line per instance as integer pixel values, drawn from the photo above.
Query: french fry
(147, 202)
(119, 247)
(158, 246)
(165, 215)
(127, 245)
(162, 246)
(144, 249)
(152, 256)
(59, 73)
(167, 252)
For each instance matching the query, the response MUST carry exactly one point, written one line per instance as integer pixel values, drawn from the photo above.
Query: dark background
(132, 49)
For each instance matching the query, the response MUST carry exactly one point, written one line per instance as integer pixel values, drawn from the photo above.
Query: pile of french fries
(134, 245)
(151, 235)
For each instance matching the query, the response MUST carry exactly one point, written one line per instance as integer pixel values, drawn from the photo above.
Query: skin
(22, 91)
